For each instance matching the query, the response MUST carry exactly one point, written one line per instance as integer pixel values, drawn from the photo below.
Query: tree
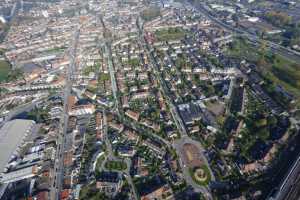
(272, 121)
(278, 18)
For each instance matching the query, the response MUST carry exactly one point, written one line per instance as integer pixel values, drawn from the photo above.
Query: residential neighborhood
(149, 100)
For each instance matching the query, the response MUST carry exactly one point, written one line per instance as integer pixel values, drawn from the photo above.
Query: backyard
(4, 70)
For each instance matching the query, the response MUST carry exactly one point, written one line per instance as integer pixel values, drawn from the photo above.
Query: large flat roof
(12, 134)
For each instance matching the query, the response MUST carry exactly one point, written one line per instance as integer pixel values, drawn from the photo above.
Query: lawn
(94, 68)
(90, 192)
(133, 62)
(272, 67)
(150, 13)
(4, 70)
(170, 34)
(115, 165)
(240, 48)
(99, 161)
(56, 50)
(104, 77)
(207, 176)
(285, 73)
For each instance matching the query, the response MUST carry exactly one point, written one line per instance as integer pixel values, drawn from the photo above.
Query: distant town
(149, 100)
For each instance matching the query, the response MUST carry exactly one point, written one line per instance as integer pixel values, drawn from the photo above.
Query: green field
(150, 13)
(170, 34)
(115, 165)
(286, 71)
(240, 48)
(274, 68)
(283, 72)
(56, 50)
(4, 70)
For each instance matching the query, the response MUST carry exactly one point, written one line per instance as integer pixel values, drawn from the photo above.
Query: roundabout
(200, 175)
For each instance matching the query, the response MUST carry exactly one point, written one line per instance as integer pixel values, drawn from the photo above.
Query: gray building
(12, 136)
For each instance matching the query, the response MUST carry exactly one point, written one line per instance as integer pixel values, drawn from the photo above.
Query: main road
(111, 68)
(59, 166)
(184, 138)
(110, 155)
(174, 112)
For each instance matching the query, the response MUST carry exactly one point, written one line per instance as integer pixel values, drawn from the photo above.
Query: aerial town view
(149, 99)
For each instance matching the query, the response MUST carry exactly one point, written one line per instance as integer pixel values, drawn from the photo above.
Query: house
(271, 153)
(251, 167)
(43, 195)
(138, 167)
(190, 113)
(82, 110)
(117, 126)
(99, 125)
(68, 158)
(64, 195)
(109, 182)
(140, 95)
(90, 95)
(126, 151)
(125, 101)
(71, 102)
(131, 135)
(156, 148)
(161, 193)
(152, 125)
(133, 115)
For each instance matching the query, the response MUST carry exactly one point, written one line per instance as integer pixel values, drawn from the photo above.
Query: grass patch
(104, 77)
(3, 90)
(94, 68)
(283, 72)
(91, 192)
(4, 70)
(150, 13)
(286, 71)
(240, 48)
(133, 62)
(170, 34)
(275, 69)
(56, 50)
(115, 165)
(2, 51)
(99, 161)
(206, 171)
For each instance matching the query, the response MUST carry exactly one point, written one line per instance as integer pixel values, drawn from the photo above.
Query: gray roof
(189, 112)
(12, 135)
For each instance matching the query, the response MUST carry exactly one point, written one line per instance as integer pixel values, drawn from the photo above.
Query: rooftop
(12, 135)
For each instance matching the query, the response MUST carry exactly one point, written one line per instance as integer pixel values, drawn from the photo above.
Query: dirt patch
(191, 155)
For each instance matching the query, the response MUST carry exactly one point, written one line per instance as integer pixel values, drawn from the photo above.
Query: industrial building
(12, 136)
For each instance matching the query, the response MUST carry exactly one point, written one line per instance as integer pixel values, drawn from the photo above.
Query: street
(59, 164)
